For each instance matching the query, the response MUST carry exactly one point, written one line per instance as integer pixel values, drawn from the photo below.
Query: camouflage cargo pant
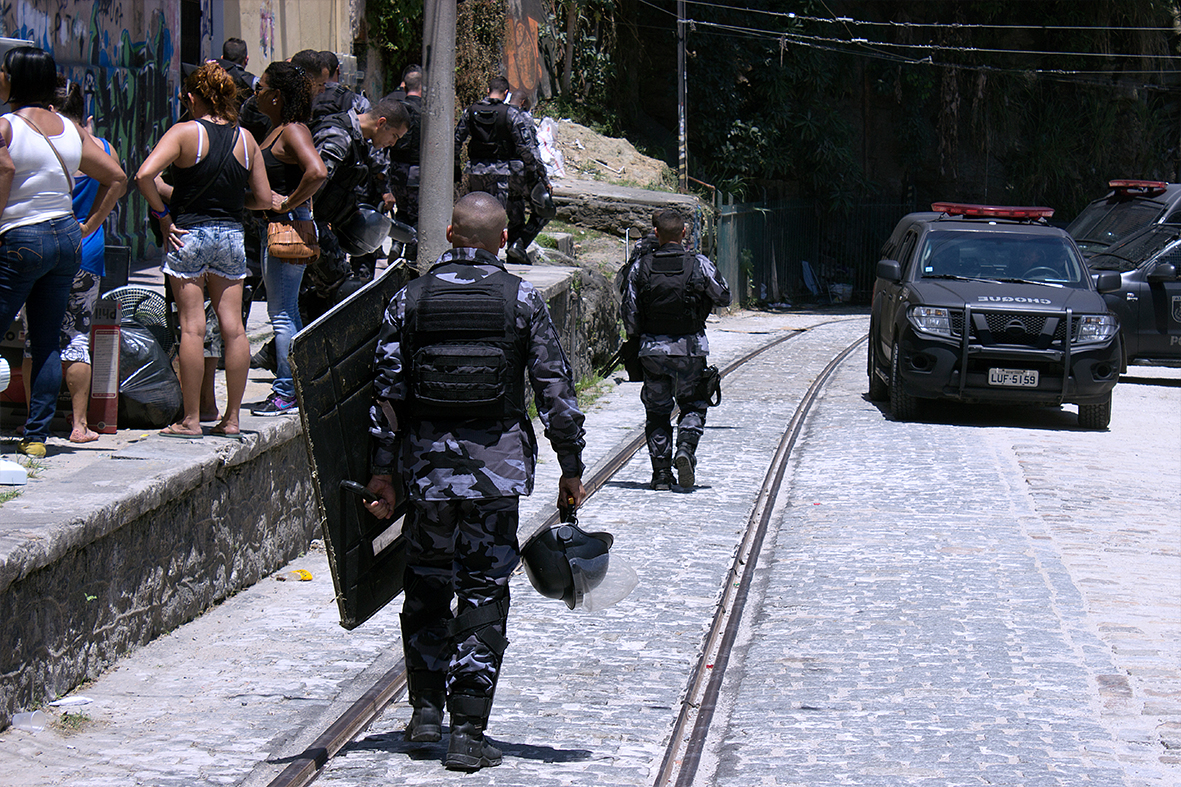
(403, 184)
(669, 380)
(464, 549)
(504, 181)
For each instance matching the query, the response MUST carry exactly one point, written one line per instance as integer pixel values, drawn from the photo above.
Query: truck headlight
(1096, 327)
(931, 319)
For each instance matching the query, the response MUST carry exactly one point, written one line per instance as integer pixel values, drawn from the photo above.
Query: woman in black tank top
(213, 164)
(295, 171)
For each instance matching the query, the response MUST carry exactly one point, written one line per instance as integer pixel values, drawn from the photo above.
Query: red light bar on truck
(1149, 187)
(991, 211)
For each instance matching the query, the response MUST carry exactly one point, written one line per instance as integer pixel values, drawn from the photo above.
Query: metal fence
(790, 251)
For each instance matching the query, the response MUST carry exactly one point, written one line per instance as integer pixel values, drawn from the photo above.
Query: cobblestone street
(987, 596)
(991, 597)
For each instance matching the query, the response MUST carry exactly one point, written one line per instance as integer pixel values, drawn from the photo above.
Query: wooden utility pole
(437, 159)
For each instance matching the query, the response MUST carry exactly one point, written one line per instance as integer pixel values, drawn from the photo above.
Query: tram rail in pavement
(267, 670)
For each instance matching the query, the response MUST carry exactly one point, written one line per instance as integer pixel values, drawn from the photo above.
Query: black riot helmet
(565, 562)
(543, 202)
(364, 231)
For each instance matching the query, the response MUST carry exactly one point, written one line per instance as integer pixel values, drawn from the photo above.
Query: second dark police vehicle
(1148, 302)
(980, 303)
(1130, 206)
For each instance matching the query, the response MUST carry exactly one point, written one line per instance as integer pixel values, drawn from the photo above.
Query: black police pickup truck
(980, 303)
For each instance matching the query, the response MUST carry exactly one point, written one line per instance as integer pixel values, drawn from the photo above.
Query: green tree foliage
(479, 49)
(1018, 108)
(580, 49)
(394, 27)
(1002, 101)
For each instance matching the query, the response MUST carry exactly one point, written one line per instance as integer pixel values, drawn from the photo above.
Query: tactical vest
(335, 99)
(671, 293)
(491, 138)
(406, 149)
(466, 356)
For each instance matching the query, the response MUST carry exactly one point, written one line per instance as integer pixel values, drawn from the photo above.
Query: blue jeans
(37, 267)
(282, 282)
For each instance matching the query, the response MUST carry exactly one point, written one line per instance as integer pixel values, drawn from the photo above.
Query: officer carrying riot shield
(463, 446)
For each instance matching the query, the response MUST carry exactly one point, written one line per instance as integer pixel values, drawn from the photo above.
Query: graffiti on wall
(266, 30)
(125, 55)
(521, 56)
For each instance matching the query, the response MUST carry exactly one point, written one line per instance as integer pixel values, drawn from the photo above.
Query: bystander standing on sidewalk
(213, 161)
(75, 327)
(295, 171)
(40, 239)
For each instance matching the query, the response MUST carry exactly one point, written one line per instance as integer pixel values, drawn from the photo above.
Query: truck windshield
(1103, 223)
(1002, 256)
(1136, 249)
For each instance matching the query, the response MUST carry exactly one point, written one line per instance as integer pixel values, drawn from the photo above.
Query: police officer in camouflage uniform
(502, 152)
(343, 141)
(463, 444)
(666, 297)
(404, 156)
(337, 96)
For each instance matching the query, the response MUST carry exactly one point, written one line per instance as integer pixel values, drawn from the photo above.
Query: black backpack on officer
(491, 137)
(670, 288)
(464, 353)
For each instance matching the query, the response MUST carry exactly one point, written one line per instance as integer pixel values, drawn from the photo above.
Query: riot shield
(332, 363)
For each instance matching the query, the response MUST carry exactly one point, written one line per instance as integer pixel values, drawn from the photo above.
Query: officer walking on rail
(449, 417)
(666, 298)
(503, 148)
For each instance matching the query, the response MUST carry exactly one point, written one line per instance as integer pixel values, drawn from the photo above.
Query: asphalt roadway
(988, 596)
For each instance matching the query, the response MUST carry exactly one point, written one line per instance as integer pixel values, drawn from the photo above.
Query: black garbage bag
(149, 391)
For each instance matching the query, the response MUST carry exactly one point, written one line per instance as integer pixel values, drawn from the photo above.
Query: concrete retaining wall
(149, 562)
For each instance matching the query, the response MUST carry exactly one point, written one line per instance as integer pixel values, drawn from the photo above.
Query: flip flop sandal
(179, 435)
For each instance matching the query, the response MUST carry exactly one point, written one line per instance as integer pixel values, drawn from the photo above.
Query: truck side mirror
(1108, 281)
(889, 270)
(1162, 271)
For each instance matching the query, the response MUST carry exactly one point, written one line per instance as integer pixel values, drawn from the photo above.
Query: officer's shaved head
(478, 221)
(669, 225)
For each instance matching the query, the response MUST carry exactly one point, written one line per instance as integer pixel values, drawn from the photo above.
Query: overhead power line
(844, 20)
(1056, 73)
(775, 34)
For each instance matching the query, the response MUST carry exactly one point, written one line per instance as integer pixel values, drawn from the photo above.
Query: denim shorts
(217, 248)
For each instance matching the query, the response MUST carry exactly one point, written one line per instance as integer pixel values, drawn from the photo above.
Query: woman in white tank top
(40, 240)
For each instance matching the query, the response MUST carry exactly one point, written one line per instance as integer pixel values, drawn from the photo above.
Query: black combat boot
(686, 464)
(426, 723)
(428, 696)
(516, 253)
(662, 479)
(469, 750)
